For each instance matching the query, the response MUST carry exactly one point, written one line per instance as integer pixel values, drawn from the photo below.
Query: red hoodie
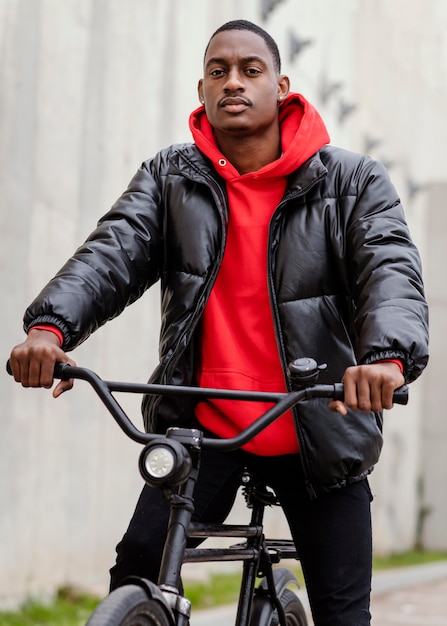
(238, 343)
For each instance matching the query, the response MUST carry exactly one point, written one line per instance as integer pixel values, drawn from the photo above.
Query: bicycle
(171, 462)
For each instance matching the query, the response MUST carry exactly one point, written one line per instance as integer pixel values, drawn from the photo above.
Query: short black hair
(253, 28)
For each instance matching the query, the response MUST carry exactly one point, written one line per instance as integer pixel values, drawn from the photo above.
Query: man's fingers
(350, 391)
(62, 386)
(376, 398)
(47, 373)
(338, 407)
(371, 387)
(19, 371)
(32, 362)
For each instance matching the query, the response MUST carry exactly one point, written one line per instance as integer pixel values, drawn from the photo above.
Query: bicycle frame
(257, 554)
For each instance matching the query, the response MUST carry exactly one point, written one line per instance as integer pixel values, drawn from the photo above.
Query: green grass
(217, 589)
(405, 559)
(72, 607)
(69, 608)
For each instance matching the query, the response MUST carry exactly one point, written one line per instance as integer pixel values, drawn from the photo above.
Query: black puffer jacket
(344, 276)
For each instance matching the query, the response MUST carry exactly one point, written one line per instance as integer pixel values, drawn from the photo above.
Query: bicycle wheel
(129, 606)
(293, 608)
(265, 614)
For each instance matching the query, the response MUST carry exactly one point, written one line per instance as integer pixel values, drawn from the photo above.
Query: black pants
(332, 532)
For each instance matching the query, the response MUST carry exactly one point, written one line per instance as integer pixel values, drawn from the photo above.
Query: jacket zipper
(274, 306)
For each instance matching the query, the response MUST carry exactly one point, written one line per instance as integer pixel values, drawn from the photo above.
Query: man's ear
(200, 91)
(283, 86)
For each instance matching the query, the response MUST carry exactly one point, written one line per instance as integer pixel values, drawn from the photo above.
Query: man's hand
(32, 362)
(369, 387)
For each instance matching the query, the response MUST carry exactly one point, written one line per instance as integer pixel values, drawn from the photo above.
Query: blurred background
(88, 90)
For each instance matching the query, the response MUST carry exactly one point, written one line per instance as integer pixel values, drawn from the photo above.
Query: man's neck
(249, 154)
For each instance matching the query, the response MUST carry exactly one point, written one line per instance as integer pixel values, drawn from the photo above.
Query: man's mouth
(234, 104)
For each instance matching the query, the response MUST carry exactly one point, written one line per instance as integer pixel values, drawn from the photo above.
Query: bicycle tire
(129, 606)
(264, 612)
(293, 609)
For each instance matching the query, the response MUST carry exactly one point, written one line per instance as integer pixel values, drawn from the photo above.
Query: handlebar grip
(59, 370)
(400, 395)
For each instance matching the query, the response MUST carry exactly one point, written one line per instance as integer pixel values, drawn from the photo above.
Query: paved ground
(424, 604)
(414, 596)
(421, 605)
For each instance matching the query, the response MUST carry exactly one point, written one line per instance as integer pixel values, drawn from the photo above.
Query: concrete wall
(433, 498)
(90, 88)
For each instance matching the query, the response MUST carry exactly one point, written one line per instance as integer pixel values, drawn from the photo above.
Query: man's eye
(216, 72)
(253, 71)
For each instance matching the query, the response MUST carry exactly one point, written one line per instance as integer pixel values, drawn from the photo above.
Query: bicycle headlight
(159, 462)
(165, 463)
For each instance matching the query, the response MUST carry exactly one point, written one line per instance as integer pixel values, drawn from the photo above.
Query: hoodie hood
(303, 133)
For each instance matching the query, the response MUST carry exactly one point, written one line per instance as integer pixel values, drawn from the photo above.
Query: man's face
(241, 87)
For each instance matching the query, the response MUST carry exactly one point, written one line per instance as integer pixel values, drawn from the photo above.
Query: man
(269, 245)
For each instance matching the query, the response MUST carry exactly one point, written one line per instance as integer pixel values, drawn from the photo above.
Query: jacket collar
(302, 179)
(192, 163)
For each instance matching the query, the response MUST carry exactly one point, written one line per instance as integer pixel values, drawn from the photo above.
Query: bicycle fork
(169, 581)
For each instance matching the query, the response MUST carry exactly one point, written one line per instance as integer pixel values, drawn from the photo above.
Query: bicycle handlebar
(283, 401)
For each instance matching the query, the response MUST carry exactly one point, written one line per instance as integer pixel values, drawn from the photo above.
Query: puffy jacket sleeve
(116, 264)
(385, 272)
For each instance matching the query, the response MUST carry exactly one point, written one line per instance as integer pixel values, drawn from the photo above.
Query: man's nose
(234, 80)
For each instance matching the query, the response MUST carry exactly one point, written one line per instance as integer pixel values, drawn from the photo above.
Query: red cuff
(396, 361)
(51, 329)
